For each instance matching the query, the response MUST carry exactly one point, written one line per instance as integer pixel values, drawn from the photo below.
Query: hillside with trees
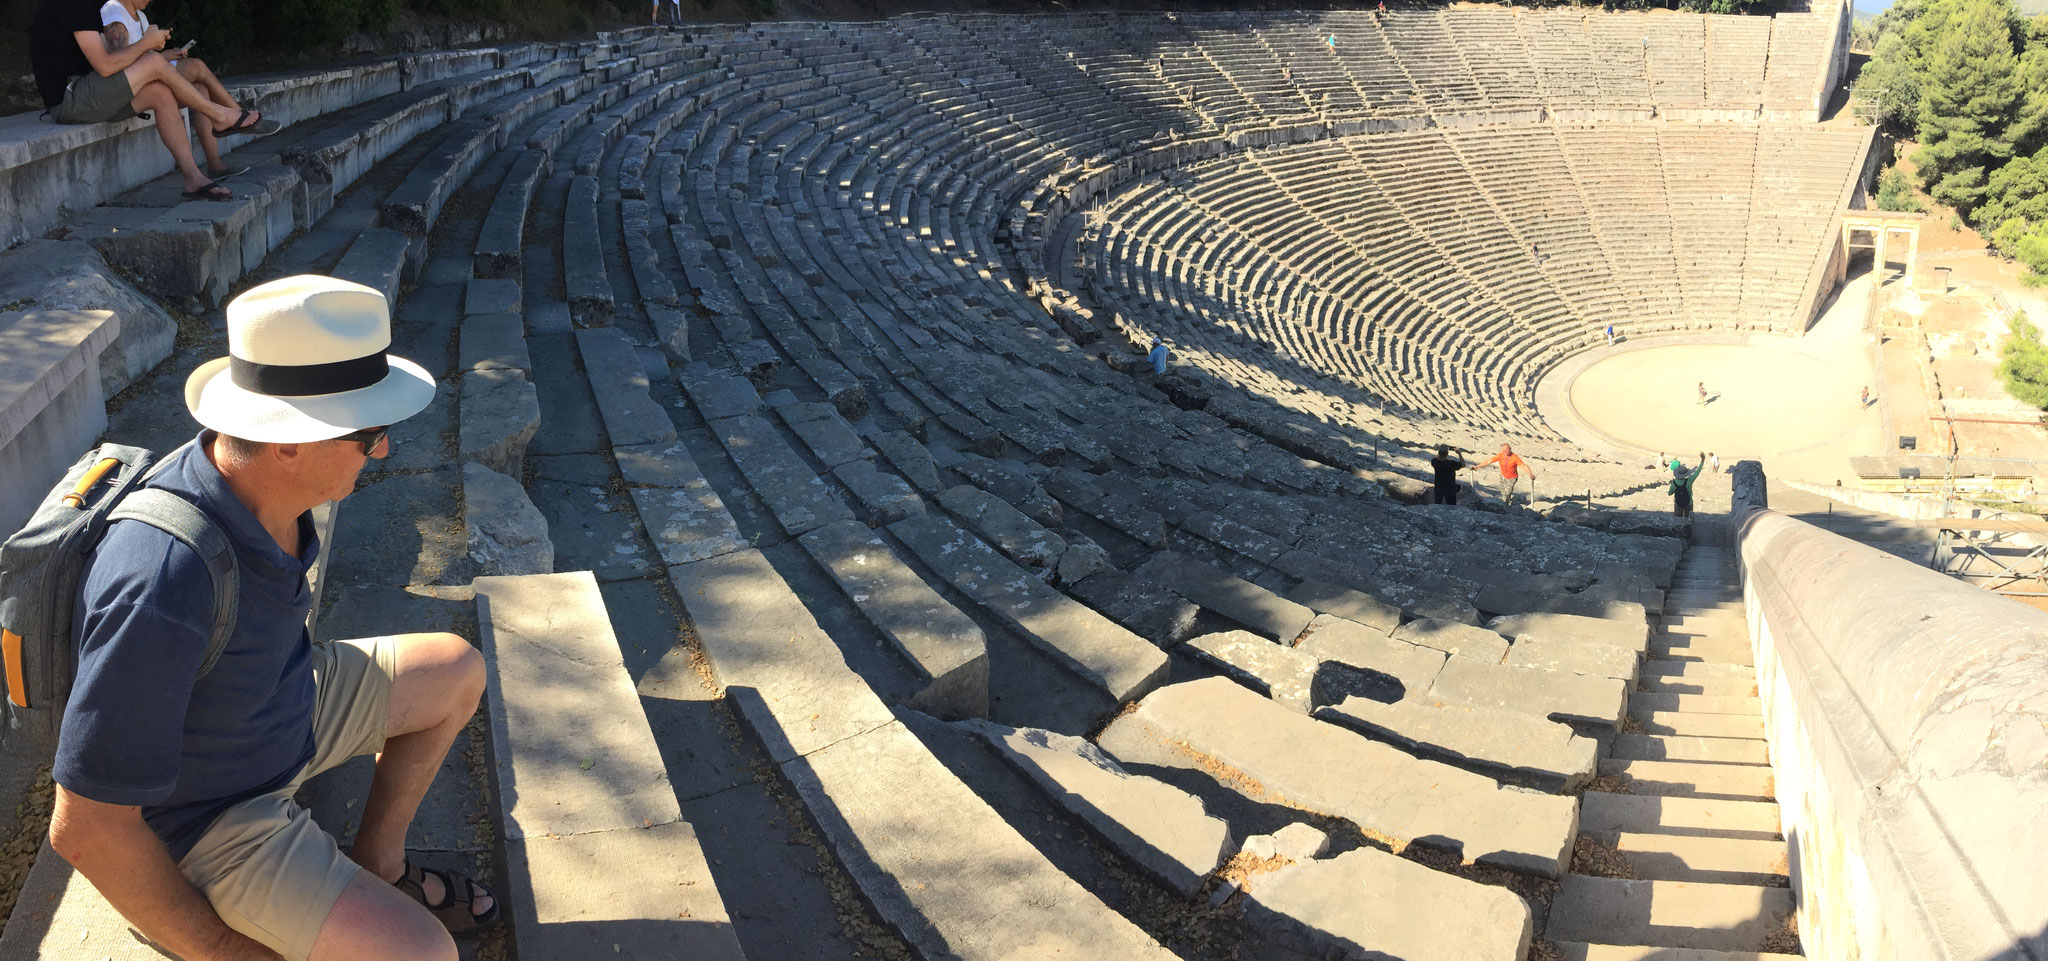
(1967, 80)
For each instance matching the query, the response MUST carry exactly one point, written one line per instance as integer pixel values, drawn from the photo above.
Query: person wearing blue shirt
(174, 790)
(1158, 356)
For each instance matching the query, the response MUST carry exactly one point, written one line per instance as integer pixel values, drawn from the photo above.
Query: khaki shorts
(270, 872)
(95, 99)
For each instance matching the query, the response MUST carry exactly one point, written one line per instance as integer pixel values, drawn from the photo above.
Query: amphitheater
(852, 587)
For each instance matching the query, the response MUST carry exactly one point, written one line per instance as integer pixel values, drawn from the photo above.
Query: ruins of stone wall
(1907, 715)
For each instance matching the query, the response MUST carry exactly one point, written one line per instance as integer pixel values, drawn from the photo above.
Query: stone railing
(1908, 721)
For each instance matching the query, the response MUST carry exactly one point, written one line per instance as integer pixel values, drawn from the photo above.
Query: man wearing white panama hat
(174, 785)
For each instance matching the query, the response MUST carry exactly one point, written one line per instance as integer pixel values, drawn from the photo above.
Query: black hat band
(305, 380)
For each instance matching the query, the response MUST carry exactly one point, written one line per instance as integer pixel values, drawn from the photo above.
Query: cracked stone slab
(993, 519)
(1512, 746)
(683, 514)
(574, 752)
(909, 458)
(933, 857)
(1368, 903)
(1281, 673)
(1632, 635)
(1161, 828)
(799, 500)
(1273, 616)
(500, 416)
(620, 384)
(716, 393)
(1354, 606)
(826, 433)
(1095, 648)
(494, 342)
(505, 533)
(1392, 669)
(1274, 755)
(492, 297)
(1576, 657)
(1140, 604)
(941, 644)
(885, 497)
(784, 674)
(1452, 637)
(1553, 694)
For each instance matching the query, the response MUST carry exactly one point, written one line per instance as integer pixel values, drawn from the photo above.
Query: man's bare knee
(372, 920)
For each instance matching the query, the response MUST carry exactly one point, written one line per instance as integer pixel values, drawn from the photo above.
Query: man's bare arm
(117, 852)
(107, 63)
(116, 36)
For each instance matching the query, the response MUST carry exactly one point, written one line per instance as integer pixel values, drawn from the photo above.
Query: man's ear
(287, 452)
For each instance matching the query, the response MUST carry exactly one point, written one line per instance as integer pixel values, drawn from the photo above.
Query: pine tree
(1969, 93)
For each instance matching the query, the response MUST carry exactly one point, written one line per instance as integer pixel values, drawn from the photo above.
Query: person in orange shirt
(1511, 470)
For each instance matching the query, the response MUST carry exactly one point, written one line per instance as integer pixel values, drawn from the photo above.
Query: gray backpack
(41, 565)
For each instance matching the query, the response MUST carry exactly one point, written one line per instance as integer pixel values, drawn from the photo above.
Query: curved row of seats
(1443, 270)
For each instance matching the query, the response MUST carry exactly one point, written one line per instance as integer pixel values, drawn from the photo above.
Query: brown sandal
(454, 910)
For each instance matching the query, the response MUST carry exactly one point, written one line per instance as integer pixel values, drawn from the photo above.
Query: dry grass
(1593, 859)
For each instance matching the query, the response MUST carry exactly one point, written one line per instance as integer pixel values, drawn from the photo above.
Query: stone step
(1701, 725)
(1709, 750)
(1674, 857)
(1681, 648)
(1633, 635)
(1674, 914)
(631, 416)
(1508, 746)
(1606, 816)
(1694, 669)
(894, 816)
(590, 824)
(1580, 951)
(1557, 695)
(1712, 624)
(1576, 657)
(1327, 908)
(1721, 686)
(1696, 703)
(1100, 651)
(1737, 782)
(944, 647)
(794, 494)
(1257, 608)
(1161, 828)
(1399, 669)
(1276, 756)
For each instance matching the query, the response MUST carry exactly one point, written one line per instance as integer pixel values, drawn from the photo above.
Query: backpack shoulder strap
(179, 518)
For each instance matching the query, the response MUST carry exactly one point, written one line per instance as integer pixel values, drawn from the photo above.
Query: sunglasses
(368, 436)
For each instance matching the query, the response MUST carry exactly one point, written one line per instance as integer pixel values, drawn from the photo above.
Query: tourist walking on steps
(1511, 469)
(1610, 335)
(1681, 485)
(1158, 356)
(1446, 468)
(125, 22)
(81, 81)
(175, 783)
(1866, 397)
(1703, 394)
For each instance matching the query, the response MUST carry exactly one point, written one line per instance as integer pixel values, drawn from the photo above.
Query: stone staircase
(1679, 845)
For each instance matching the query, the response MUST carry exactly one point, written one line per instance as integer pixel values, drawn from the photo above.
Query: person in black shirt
(1446, 468)
(81, 81)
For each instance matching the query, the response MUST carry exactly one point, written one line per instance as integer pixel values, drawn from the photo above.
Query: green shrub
(2024, 365)
(1895, 192)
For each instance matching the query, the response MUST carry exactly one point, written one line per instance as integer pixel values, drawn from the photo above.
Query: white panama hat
(307, 361)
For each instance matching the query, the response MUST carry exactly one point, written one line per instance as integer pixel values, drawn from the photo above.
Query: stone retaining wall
(1907, 715)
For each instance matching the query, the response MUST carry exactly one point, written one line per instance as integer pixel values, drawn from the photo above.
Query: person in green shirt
(1681, 485)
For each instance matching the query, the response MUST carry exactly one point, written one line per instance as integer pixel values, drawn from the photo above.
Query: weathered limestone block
(507, 534)
(1160, 827)
(1366, 904)
(500, 413)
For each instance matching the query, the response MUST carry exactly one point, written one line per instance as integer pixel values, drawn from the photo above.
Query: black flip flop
(243, 125)
(453, 911)
(206, 190)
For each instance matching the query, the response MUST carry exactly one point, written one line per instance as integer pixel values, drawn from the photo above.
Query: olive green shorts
(95, 99)
(270, 872)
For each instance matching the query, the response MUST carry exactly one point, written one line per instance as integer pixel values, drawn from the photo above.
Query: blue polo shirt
(142, 727)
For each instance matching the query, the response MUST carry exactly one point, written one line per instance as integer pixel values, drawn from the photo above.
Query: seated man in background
(81, 82)
(126, 23)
